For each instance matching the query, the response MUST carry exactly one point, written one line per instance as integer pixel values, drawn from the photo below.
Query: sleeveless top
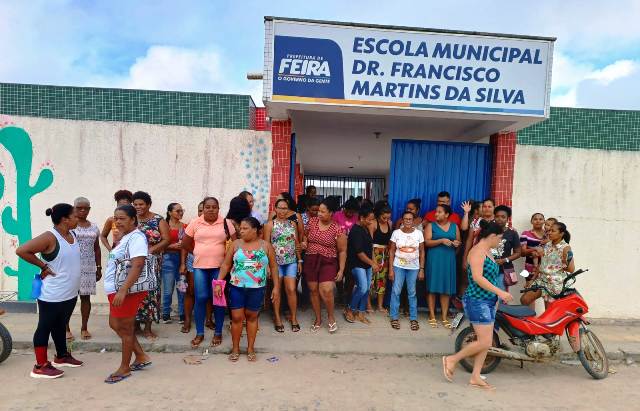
(151, 229)
(490, 271)
(65, 284)
(324, 242)
(283, 239)
(250, 268)
(86, 239)
(380, 237)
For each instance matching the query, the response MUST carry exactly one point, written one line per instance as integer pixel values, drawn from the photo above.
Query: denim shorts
(288, 270)
(251, 299)
(480, 311)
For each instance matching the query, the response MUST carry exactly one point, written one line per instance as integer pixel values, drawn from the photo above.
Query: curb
(91, 346)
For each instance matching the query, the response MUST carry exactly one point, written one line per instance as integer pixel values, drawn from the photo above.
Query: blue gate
(421, 169)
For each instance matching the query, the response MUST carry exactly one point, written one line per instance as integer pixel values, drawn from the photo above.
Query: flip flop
(433, 322)
(216, 340)
(85, 335)
(315, 328)
(446, 324)
(448, 375)
(234, 356)
(485, 387)
(333, 327)
(195, 343)
(295, 327)
(114, 378)
(140, 366)
(251, 356)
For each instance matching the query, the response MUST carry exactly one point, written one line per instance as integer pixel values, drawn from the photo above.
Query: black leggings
(53, 319)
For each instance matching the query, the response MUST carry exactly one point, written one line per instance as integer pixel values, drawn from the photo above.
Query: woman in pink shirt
(206, 236)
(348, 216)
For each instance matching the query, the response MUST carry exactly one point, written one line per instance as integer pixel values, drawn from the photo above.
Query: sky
(210, 45)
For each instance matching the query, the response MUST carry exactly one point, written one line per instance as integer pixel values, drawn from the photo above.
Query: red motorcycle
(538, 338)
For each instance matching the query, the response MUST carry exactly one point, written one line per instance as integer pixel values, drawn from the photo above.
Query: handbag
(228, 242)
(510, 277)
(147, 280)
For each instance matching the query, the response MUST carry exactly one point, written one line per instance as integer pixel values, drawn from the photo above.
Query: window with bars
(343, 187)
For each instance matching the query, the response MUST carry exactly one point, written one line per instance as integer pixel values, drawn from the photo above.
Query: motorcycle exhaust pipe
(511, 355)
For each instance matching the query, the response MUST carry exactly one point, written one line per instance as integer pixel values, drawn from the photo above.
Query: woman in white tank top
(59, 264)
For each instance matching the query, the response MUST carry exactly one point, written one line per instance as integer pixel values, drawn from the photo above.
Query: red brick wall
(504, 153)
(260, 121)
(281, 155)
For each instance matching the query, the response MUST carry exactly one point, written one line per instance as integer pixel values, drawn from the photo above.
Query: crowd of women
(231, 266)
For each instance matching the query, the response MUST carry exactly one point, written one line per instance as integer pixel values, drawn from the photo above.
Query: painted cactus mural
(17, 222)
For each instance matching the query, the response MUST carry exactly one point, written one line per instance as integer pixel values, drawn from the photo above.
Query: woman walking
(324, 262)
(122, 304)
(381, 232)
(442, 239)
(171, 262)
(156, 229)
(60, 274)
(122, 197)
(360, 262)
(281, 233)
(206, 237)
(88, 236)
(480, 303)
(247, 263)
(406, 249)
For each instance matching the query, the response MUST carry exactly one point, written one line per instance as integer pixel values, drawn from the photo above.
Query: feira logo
(304, 67)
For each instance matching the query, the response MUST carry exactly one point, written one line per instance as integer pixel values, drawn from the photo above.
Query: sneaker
(46, 371)
(181, 320)
(166, 319)
(67, 361)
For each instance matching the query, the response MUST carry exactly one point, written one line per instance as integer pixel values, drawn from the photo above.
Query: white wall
(596, 194)
(173, 164)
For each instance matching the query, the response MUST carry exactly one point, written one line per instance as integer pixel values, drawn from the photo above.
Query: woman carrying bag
(127, 281)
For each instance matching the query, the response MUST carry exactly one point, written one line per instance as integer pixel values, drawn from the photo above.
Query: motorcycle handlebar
(541, 287)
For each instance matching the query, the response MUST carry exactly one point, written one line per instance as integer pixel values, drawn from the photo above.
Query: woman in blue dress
(442, 239)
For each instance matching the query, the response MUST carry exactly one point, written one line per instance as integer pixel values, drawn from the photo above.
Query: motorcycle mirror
(525, 274)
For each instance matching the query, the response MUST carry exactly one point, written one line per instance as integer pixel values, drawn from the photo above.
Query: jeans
(171, 274)
(360, 295)
(202, 278)
(410, 276)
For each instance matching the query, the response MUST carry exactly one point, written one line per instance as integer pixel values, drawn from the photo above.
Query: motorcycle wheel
(467, 336)
(6, 344)
(592, 355)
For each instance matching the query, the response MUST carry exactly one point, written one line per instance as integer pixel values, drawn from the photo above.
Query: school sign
(368, 66)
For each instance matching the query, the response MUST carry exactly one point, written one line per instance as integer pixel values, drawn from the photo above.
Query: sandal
(446, 324)
(195, 343)
(185, 329)
(348, 317)
(85, 334)
(415, 326)
(486, 387)
(140, 366)
(333, 327)
(216, 340)
(383, 310)
(115, 378)
(234, 356)
(395, 324)
(433, 322)
(316, 327)
(210, 325)
(295, 327)
(251, 356)
(279, 328)
(448, 375)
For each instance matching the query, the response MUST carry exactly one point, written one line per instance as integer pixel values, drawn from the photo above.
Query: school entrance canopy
(352, 80)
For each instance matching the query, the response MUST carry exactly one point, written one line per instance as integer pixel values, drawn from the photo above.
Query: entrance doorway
(344, 187)
(421, 169)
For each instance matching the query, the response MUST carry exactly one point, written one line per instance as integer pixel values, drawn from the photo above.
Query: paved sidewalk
(375, 339)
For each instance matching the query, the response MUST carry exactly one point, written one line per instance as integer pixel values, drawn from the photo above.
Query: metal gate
(372, 188)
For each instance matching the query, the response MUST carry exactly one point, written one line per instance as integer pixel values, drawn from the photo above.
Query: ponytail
(566, 236)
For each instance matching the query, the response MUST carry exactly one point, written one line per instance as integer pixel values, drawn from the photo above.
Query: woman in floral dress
(88, 236)
(281, 233)
(556, 261)
(156, 229)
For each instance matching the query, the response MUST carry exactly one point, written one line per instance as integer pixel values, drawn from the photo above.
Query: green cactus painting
(17, 222)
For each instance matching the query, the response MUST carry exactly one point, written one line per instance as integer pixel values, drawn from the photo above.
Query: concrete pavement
(379, 339)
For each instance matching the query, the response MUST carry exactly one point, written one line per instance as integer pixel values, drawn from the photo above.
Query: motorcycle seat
(517, 310)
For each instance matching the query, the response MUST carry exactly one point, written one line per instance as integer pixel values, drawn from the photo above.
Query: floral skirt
(379, 280)
(149, 309)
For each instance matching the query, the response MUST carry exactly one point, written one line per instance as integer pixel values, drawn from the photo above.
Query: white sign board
(321, 63)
